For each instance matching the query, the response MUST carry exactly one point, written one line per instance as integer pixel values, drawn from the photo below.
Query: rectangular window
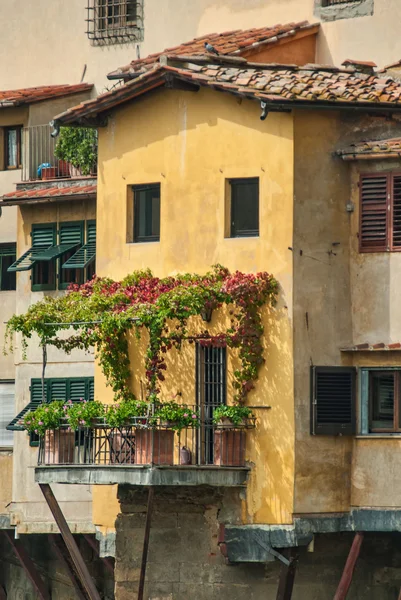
(7, 410)
(380, 213)
(147, 212)
(12, 147)
(384, 401)
(211, 393)
(244, 207)
(114, 21)
(333, 400)
(7, 258)
(71, 235)
(334, 2)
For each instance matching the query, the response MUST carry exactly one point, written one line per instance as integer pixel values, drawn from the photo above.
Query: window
(333, 400)
(7, 410)
(380, 400)
(332, 10)
(12, 147)
(114, 21)
(244, 207)
(7, 257)
(67, 255)
(380, 213)
(147, 212)
(211, 392)
(72, 388)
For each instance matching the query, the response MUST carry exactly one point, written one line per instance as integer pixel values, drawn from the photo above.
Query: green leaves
(78, 146)
(102, 312)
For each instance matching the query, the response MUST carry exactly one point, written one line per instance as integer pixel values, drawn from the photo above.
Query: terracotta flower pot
(229, 447)
(59, 447)
(122, 447)
(49, 173)
(154, 446)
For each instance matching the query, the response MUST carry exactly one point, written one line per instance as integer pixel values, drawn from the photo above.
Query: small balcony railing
(39, 161)
(141, 443)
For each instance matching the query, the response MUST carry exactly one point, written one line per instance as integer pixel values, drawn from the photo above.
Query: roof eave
(47, 199)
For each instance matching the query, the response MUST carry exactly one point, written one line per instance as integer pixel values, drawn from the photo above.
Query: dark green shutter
(36, 399)
(43, 237)
(70, 236)
(74, 388)
(86, 254)
(333, 400)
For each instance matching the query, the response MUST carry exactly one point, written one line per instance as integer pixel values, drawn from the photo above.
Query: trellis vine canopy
(103, 311)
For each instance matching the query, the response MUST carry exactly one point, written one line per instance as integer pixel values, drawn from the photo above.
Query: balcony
(39, 160)
(145, 454)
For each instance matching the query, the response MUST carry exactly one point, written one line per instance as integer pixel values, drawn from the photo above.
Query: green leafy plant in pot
(43, 418)
(128, 413)
(177, 416)
(236, 415)
(84, 413)
(78, 147)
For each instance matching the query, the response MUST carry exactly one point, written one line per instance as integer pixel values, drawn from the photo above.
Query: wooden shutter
(396, 213)
(374, 213)
(333, 400)
(36, 399)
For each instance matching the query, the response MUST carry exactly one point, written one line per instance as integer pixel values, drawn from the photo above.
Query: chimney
(361, 66)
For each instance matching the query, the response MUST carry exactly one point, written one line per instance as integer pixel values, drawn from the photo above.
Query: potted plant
(125, 417)
(47, 421)
(176, 416)
(78, 147)
(230, 435)
(84, 413)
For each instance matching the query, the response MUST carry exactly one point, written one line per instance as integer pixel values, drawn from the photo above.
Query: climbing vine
(102, 312)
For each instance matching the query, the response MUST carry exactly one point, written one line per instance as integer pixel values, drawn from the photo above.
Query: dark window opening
(147, 213)
(12, 147)
(7, 258)
(244, 207)
(211, 393)
(114, 21)
(333, 400)
(334, 2)
(384, 401)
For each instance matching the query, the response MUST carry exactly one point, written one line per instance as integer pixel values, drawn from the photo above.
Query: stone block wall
(185, 562)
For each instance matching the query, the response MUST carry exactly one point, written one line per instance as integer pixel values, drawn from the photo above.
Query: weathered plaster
(349, 10)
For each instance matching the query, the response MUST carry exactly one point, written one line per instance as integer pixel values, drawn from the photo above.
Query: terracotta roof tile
(317, 84)
(365, 150)
(234, 42)
(380, 346)
(54, 191)
(38, 94)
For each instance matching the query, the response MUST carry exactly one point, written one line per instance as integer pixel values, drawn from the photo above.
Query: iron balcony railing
(39, 160)
(141, 442)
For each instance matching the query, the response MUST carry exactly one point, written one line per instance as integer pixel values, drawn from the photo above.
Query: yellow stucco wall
(191, 143)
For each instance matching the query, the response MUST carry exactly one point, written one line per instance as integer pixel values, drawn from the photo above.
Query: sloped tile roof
(372, 150)
(49, 193)
(379, 346)
(234, 43)
(283, 85)
(38, 94)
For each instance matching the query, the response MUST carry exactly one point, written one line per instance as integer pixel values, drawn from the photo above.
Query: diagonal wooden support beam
(28, 566)
(76, 557)
(149, 511)
(55, 542)
(346, 579)
(287, 576)
(94, 545)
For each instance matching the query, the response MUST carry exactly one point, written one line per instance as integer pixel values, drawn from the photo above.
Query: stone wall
(17, 585)
(185, 562)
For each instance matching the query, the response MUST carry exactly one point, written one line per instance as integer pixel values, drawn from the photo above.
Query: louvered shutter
(333, 400)
(78, 390)
(7, 411)
(36, 399)
(86, 254)
(43, 235)
(57, 390)
(396, 213)
(91, 389)
(374, 217)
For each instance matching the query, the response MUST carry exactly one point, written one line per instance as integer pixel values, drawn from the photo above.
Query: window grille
(335, 2)
(114, 21)
(211, 391)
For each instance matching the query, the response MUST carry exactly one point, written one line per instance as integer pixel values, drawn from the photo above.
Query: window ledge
(348, 10)
(379, 436)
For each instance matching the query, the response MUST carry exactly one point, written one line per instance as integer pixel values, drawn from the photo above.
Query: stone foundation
(185, 560)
